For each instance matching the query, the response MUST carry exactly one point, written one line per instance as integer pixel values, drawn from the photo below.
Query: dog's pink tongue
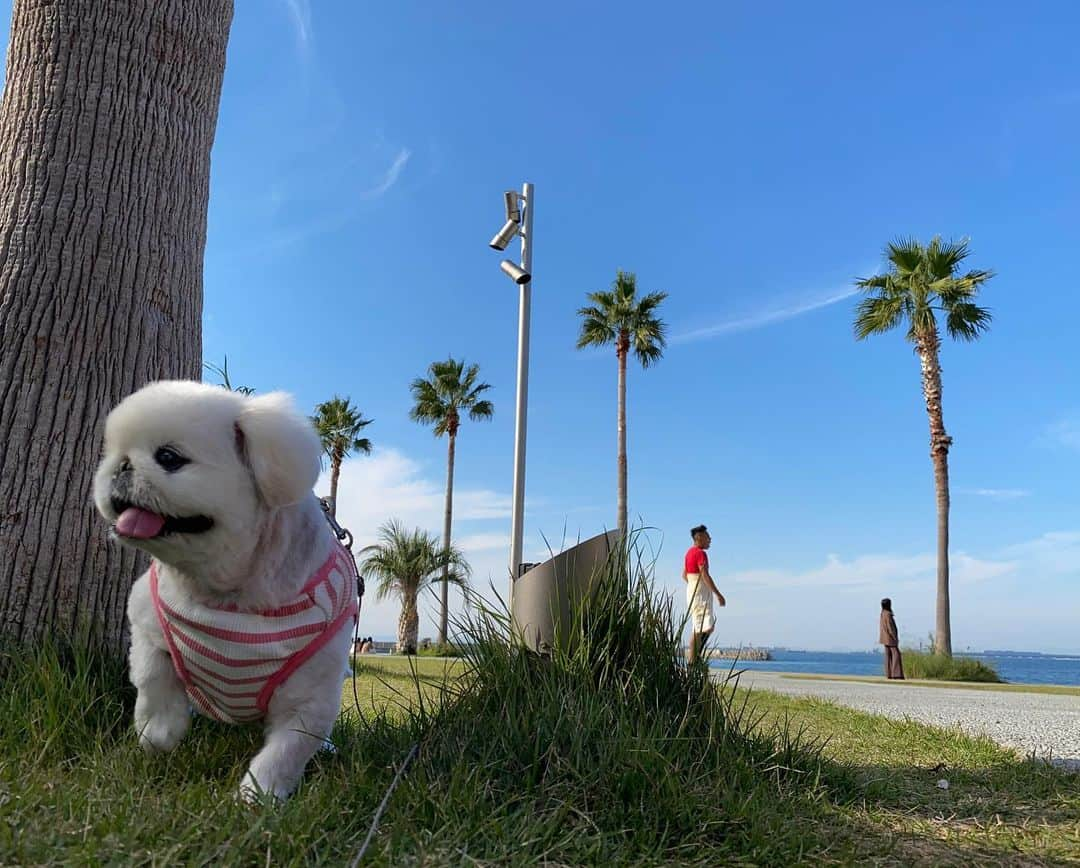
(139, 523)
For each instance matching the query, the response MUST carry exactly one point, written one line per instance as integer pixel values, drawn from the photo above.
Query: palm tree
(339, 425)
(405, 563)
(921, 283)
(106, 126)
(619, 317)
(449, 392)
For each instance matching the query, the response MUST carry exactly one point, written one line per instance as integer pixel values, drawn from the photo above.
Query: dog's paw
(162, 719)
(162, 732)
(254, 793)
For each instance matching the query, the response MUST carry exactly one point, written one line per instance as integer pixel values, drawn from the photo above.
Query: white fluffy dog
(246, 612)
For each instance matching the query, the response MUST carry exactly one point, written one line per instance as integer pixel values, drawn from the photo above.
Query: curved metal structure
(546, 595)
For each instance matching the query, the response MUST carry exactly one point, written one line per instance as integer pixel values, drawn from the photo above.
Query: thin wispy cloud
(1064, 433)
(1052, 554)
(317, 186)
(764, 317)
(483, 542)
(300, 13)
(390, 177)
(875, 571)
(999, 493)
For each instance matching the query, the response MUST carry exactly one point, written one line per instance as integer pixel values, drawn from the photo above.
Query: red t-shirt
(695, 559)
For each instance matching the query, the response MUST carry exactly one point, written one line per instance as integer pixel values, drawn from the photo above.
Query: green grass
(436, 650)
(881, 775)
(939, 667)
(394, 686)
(1052, 689)
(611, 753)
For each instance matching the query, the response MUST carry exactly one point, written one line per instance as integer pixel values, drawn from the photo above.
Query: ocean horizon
(1020, 667)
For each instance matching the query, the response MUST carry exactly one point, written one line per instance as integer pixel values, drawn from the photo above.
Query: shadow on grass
(1021, 812)
(1025, 791)
(880, 776)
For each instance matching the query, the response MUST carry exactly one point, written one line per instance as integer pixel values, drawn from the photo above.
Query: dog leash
(346, 539)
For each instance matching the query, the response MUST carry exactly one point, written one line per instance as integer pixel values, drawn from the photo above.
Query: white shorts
(699, 604)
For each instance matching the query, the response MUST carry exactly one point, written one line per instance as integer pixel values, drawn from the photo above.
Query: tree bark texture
(408, 630)
(447, 523)
(928, 347)
(335, 473)
(621, 350)
(108, 116)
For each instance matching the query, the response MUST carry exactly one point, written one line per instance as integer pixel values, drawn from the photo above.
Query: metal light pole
(517, 521)
(519, 224)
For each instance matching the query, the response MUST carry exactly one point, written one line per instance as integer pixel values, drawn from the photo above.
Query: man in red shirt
(700, 589)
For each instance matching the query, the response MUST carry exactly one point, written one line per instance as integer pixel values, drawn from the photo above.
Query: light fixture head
(513, 211)
(505, 235)
(515, 272)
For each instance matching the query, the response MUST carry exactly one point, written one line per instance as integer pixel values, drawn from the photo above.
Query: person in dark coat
(890, 638)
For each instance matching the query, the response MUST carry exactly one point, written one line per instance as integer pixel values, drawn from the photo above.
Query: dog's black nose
(125, 466)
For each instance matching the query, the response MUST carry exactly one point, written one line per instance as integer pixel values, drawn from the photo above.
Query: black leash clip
(344, 536)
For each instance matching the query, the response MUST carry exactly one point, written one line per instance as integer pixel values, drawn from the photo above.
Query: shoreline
(1018, 669)
(756, 655)
(1008, 687)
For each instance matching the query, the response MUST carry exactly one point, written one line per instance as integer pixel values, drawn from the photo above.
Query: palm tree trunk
(447, 521)
(621, 351)
(940, 442)
(408, 625)
(335, 471)
(106, 125)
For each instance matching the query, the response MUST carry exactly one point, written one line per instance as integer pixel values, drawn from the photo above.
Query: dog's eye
(169, 459)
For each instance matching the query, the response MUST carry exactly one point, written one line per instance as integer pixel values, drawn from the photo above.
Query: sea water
(1015, 666)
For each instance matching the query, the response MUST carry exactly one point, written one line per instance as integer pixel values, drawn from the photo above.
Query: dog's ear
(280, 446)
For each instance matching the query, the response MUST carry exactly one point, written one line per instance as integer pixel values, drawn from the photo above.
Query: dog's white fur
(253, 463)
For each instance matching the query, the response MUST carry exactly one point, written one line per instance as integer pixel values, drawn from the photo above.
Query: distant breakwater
(738, 653)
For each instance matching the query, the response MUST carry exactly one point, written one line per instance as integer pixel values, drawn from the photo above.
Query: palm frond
(878, 281)
(650, 302)
(404, 562)
(920, 282)
(449, 392)
(907, 255)
(966, 321)
(945, 257)
(877, 315)
(619, 312)
(481, 410)
(648, 354)
(473, 395)
(596, 330)
(338, 424)
(953, 290)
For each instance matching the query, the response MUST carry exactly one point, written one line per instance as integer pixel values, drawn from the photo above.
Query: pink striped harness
(231, 662)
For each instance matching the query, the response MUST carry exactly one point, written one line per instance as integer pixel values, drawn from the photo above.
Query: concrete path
(1045, 725)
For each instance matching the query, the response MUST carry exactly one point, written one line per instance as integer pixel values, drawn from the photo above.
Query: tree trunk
(107, 120)
(621, 350)
(408, 630)
(447, 521)
(335, 471)
(927, 348)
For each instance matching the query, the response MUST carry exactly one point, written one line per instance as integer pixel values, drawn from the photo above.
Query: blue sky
(750, 160)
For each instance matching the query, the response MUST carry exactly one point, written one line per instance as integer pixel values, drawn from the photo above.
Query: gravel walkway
(1045, 725)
